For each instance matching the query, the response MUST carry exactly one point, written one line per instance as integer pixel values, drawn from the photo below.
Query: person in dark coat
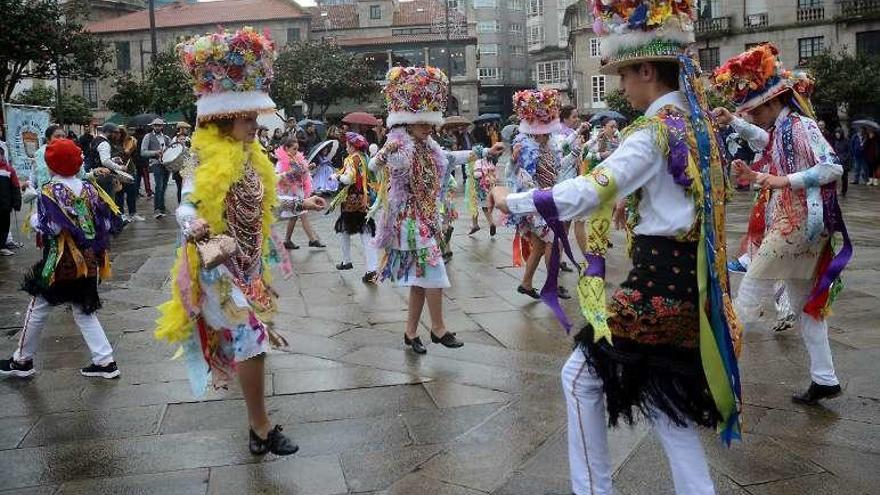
(10, 199)
(841, 146)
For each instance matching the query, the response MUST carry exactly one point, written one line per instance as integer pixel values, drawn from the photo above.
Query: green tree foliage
(617, 101)
(169, 87)
(74, 108)
(132, 97)
(320, 74)
(845, 81)
(42, 38)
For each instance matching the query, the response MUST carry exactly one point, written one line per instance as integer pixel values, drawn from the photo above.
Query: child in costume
(322, 175)
(536, 162)
(480, 180)
(795, 218)
(222, 300)
(666, 344)
(294, 182)
(355, 199)
(414, 169)
(75, 220)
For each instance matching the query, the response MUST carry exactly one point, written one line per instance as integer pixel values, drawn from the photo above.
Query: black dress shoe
(344, 266)
(369, 278)
(290, 245)
(415, 344)
(816, 393)
(317, 244)
(474, 230)
(275, 442)
(492, 230)
(564, 267)
(533, 293)
(448, 340)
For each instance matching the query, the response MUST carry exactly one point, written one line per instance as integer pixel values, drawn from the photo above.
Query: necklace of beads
(244, 220)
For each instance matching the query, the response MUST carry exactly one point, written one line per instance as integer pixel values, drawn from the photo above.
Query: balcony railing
(712, 26)
(858, 8)
(756, 21)
(810, 14)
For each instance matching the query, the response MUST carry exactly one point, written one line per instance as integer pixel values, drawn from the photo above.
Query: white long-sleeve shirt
(825, 170)
(666, 208)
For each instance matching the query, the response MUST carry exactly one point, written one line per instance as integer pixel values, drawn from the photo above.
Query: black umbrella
(605, 115)
(487, 117)
(141, 120)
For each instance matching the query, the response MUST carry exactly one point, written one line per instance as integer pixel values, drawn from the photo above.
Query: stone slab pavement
(372, 418)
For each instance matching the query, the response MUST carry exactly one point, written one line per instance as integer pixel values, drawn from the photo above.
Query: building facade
(588, 87)
(390, 33)
(547, 41)
(503, 57)
(128, 36)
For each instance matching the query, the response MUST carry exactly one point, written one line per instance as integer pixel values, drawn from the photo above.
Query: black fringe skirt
(354, 222)
(654, 363)
(82, 292)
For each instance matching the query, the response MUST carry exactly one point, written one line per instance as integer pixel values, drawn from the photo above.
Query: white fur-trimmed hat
(636, 31)
(416, 95)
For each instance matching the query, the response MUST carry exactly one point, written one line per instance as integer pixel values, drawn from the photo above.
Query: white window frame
(517, 51)
(515, 28)
(492, 73)
(536, 35)
(453, 4)
(484, 27)
(489, 49)
(517, 75)
(552, 72)
(485, 4)
(598, 89)
(516, 5)
(595, 48)
(536, 7)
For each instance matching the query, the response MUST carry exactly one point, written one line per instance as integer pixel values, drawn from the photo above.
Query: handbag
(215, 250)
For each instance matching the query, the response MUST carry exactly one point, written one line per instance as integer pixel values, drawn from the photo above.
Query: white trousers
(755, 300)
(588, 455)
(371, 258)
(35, 319)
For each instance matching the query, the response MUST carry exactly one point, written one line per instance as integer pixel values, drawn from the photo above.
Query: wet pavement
(372, 418)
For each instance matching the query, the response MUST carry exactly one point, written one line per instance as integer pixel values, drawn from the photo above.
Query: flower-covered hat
(416, 95)
(756, 76)
(357, 141)
(636, 31)
(230, 72)
(538, 110)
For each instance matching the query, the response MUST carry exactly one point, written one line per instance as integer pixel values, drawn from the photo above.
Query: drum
(174, 157)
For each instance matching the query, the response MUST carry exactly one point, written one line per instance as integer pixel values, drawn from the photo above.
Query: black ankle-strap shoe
(275, 442)
(415, 344)
(447, 340)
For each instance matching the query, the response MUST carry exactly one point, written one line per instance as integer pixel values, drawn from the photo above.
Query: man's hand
(102, 171)
(723, 116)
(314, 203)
(498, 199)
(772, 181)
(198, 229)
(743, 172)
(496, 149)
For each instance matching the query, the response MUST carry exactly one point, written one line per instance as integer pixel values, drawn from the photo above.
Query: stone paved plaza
(372, 418)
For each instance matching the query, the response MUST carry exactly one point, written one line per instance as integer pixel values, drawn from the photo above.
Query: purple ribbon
(834, 221)
(595, 265)
(546, 207)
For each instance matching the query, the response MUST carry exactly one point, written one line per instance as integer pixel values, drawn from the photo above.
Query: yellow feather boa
(221, 162)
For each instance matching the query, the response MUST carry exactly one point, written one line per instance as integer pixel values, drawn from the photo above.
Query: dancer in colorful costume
(537, 161)
(480, 180)
(221, 295)
(294, 182)
(355, 198)
(793, 224)
(74, 220)
(669, 351)
(414, 169)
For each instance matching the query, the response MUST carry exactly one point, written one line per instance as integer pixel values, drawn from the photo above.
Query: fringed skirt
(654, 363)
(354, 222)
(67, 287)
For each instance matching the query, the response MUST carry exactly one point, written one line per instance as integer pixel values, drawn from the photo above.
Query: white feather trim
(397, 118)
(232, 102)
(536, 128)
